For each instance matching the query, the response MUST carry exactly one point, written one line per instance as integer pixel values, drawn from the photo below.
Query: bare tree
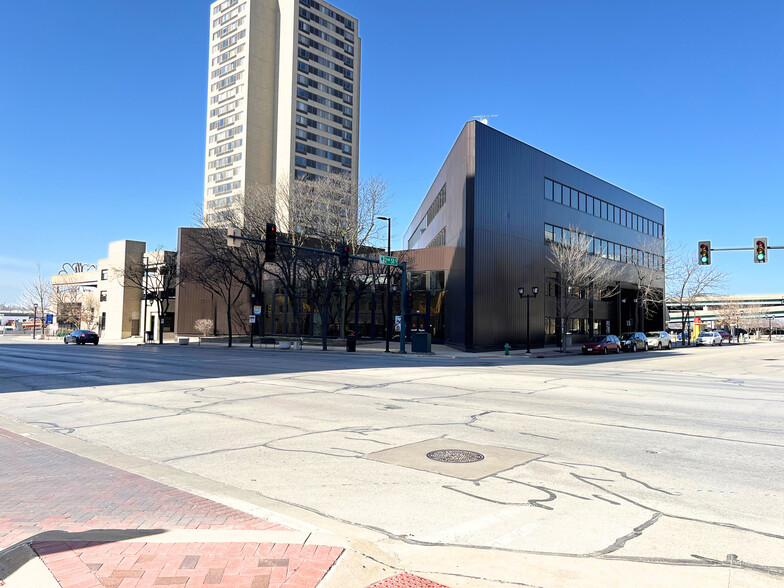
(204, 326)
(208, 261)
(647, 274)
(321, 213)
(581, 275)
(75, 306)
(37, 292)
(687, 280)
(157, 276)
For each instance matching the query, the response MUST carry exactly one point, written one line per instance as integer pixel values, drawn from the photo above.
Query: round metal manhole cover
(455, 456)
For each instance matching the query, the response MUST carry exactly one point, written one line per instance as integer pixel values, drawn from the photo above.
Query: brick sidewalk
(46, 489)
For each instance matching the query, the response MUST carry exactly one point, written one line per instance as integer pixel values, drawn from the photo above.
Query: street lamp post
(253, 324)
(521, 292)
(770, 327)
(35, 314)
(389, 297)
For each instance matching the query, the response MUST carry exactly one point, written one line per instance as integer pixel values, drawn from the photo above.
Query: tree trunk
(228, 318)
(324, 321)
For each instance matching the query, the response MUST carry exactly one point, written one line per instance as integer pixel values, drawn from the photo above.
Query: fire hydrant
(507, 347)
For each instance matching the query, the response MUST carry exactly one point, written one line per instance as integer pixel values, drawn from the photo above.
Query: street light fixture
(521, 292)
(35, 314)
(389, 297)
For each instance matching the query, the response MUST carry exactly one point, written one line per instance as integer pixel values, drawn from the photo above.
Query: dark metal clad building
(492, 211)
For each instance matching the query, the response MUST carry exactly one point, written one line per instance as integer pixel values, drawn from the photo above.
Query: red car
(725, 336)
(602, 344)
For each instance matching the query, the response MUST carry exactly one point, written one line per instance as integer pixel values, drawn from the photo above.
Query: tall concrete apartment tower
(283, 97)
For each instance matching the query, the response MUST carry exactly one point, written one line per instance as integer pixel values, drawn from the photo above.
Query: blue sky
(682, 103)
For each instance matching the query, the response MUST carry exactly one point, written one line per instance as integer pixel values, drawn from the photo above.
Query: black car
(81, 337)
(634, 342)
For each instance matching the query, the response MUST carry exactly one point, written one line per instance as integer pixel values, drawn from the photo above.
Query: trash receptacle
(420, 342)
(351, 343)
(149, 336)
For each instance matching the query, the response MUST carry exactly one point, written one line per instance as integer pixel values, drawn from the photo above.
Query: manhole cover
(455, 456)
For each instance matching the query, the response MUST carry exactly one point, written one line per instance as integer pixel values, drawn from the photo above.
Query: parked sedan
(725, 336)
(634, 342)
(81, 337)
(659, 340)
(602, 344)
(709, 338)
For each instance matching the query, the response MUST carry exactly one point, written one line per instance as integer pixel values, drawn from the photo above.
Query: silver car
(659, 340)
(709, 338)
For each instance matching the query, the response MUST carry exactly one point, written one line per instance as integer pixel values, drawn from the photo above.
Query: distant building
(283, 97)
(100, 299)
(743, 311)
(484, 228)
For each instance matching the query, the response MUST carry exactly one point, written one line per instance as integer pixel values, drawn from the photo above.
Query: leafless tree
(74, 306)
(208, 261)
(647, 275)
(37, 292)
(580, 275)
(204, 326)
(157, 276)
(687, 280)
(320, 213)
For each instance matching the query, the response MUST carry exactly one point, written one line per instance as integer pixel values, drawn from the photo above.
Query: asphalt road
(672, 457)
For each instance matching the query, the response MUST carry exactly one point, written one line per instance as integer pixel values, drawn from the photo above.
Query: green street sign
(387, 260)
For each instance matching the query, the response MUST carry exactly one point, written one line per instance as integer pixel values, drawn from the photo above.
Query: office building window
(104, 274)
(103, 295)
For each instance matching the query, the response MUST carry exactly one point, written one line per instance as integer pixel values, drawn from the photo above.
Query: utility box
(421, 342)
(351, 344)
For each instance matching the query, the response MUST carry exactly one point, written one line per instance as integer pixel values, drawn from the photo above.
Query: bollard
(507, 347)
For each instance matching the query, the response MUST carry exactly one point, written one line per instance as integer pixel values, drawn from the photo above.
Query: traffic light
(704, 252)
(761, 250)
(409, 302)
(268, 311)
(344, 253)
(270, 242)
(230, 240)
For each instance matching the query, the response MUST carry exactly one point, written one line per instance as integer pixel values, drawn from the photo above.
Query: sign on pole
(397, 323)
(257, 310)
(252, 319)
(387, 260)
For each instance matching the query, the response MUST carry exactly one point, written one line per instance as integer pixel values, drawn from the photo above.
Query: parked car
(602, 344)
(725, 336)
(634, 342)
(709, 338)
(81, 337)
(659, 340)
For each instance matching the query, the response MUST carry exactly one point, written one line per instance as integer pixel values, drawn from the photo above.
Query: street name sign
(387, 260)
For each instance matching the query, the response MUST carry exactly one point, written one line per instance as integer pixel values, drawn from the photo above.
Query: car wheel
(65, 340)
(617, 350)
(659, 346)
(605, 350)
(95, 342)
(721, 342)
(646, 346)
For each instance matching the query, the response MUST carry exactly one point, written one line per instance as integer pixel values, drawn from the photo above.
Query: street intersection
(661, 468)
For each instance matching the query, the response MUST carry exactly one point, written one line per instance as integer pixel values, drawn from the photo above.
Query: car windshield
(625, 336)
(654, 334)
(596, 339)
(706, 334)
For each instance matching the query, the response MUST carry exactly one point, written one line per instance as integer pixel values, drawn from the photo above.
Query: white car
(659, 340)
(709, 338)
